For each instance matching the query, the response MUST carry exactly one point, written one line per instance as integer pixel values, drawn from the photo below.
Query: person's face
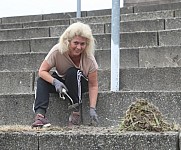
(77, 45)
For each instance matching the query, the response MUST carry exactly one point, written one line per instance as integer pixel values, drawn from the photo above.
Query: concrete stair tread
(152, 2)
(95, 19)
(81, 138)
(131, 79)
(66, 15)
(157, 7)
(90, 13)
(111, 107)
(150, 70)
(149, 57)
(128, 39)
(126, 26)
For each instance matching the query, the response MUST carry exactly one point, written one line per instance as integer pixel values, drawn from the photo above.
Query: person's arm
(44, 72)
(93, 88)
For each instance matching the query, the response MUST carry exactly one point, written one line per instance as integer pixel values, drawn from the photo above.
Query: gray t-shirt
(62, 62)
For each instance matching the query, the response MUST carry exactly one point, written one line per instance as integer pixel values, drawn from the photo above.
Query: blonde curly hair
(77, 29)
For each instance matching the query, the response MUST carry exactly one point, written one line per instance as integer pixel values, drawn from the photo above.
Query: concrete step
(40, 17)
(30, 61)
(55, 16)
(131, 79)
(162, 56)
(157, 7)
(169, 37)
(89, 138)
(150, 57)
(28, 45)
(35, 32)
(143, 79)
(148, 2)
(145, 17)
(130, 39)
(19, 108)
(111, 107)
(125, 26)
(21, 61)
(129, 26)
(125, 10)
(17, 82)
(149, 15)
(129, 36)
(24, 33)
(39, 23)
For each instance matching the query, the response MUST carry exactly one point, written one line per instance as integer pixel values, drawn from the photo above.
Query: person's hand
(93, 116)
(59, 85)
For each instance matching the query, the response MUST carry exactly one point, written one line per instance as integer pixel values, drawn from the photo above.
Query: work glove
(59, 86)
(93, 116)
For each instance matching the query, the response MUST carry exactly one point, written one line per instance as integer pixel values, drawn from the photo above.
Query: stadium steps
(149, 69)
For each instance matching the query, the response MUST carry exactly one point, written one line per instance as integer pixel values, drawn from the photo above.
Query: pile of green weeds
(144, 116)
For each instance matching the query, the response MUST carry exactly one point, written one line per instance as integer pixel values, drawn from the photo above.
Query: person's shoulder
(91, 57)
(55, 48)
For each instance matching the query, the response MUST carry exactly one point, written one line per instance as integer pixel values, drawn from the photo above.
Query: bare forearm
(46, 76)
(93, 92)
(44, 72)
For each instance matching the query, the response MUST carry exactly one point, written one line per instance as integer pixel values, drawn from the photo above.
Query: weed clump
(144, 116)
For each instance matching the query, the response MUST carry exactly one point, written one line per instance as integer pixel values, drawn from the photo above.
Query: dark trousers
(72, 83)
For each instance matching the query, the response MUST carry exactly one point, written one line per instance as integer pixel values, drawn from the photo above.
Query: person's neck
(75, 59)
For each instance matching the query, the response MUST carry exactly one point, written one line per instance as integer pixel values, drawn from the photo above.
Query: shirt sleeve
(51, 57)
(93, 65)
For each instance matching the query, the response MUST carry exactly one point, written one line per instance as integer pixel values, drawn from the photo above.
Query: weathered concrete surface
(111, 106)
(123, 10)
(169, 37)
(166, 56)
(62, 15)
(131, 79)
(21, 62)
(46, 23)
(28, 45)
(94, 19)
(144, 79)
(42, 44)
(16, 82)
(11, 26)
(178, 13)
(174, 23)
(24, 33)
(108, 141)
(162, 56)
(132, 39)
(18, 141)
(143, 25)
(12, 46)
(17, 19)
(147, 2)
(128, 58)
(56, 31)
(32, 61)
(148, 15)
(18, 109)
(88, 138)
(169, 6)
